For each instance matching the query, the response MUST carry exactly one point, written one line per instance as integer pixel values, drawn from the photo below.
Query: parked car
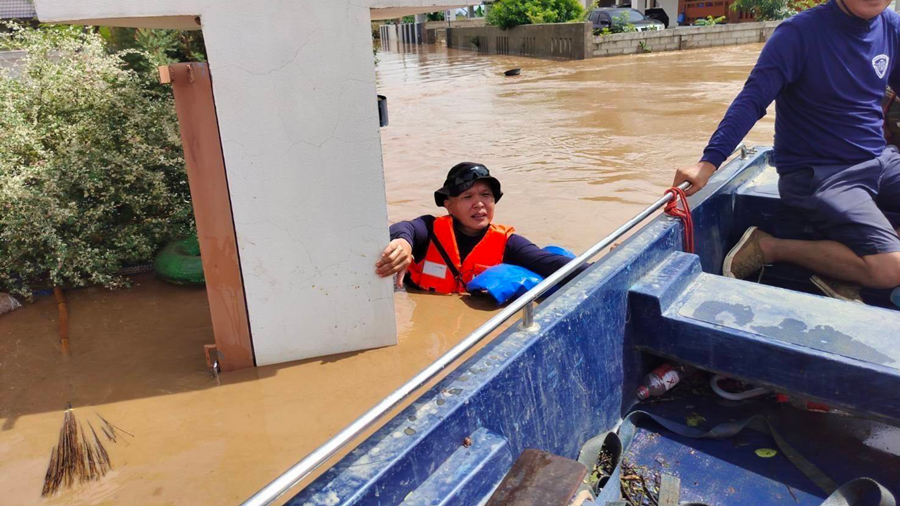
(603, 18)
(659, 15)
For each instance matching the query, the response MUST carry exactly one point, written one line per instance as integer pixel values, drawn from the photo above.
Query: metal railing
(525, 303)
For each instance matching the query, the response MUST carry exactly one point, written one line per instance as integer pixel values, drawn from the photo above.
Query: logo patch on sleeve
(880, 63)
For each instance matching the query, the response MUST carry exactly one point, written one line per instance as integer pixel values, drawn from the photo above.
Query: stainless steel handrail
(525, 303)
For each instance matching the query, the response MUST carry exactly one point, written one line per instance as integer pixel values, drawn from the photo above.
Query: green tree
(511, 13)
(144, 50)
(91, 169)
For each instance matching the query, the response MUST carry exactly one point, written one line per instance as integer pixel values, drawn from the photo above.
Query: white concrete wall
(294, 84)
(671, 8)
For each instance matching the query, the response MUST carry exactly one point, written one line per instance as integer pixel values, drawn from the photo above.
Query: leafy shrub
(773, 10)
(620, 24)
(91, 167)
(710, 21)
(511, 13)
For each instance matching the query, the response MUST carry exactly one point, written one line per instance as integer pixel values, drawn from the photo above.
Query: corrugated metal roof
(16, 9)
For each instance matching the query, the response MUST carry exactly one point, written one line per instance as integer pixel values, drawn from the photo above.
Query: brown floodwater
(580, 146)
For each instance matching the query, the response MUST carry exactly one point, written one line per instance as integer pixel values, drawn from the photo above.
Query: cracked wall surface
(294, 84)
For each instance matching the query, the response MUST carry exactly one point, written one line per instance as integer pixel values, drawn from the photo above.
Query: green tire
(179, 263)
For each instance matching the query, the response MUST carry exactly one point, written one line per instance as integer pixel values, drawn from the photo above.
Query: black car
(603, 18)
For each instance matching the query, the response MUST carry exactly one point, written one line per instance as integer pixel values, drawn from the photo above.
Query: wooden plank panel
(199, 127)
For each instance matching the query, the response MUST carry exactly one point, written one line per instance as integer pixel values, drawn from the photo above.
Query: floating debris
(76, 458)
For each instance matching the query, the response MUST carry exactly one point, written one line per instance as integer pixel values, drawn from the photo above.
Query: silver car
(603, 18)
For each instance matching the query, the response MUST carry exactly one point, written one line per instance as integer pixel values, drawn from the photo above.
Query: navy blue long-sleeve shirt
(519, 250)
(827, 73)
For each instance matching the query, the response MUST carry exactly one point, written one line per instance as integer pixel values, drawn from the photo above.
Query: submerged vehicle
(564, 382)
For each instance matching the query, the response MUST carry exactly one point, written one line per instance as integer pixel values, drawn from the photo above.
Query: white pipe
(749, 394)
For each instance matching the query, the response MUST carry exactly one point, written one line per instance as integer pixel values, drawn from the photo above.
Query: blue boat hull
(555, 388)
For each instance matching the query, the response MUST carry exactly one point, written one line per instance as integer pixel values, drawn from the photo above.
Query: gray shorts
(856, 205)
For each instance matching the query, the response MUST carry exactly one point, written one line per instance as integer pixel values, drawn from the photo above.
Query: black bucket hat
(461, 177)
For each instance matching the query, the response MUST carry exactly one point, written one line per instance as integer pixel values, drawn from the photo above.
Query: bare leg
(833, 259)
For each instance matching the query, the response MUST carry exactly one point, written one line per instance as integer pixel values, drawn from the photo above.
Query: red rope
(683, 212)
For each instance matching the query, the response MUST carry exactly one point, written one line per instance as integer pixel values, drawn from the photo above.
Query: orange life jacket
(434, 274)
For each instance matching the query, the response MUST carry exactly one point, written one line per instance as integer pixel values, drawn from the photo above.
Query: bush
(620, 24)
(511, 13)
(711, 21)
(773, 10)
(91, 167)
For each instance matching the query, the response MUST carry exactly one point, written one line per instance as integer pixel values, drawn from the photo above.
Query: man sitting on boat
(826, 69)
(444, 254)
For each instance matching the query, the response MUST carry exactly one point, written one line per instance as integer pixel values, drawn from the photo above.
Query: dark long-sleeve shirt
(519, 250)
(826, 72)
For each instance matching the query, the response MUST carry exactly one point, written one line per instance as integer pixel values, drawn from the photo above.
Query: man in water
(826, 69)
(443, 254)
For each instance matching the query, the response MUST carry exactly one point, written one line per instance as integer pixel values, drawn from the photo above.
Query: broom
(77, 458)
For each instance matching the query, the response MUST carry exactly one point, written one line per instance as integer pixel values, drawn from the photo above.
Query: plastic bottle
(659, 381)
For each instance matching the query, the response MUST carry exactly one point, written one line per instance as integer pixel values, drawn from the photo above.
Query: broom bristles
(74, 459)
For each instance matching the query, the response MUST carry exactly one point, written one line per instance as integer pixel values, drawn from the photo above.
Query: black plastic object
(513, 72)
(382, 111)
(659, 15)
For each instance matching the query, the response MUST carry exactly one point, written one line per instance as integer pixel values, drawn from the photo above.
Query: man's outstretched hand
(698, 175)
(395, 259)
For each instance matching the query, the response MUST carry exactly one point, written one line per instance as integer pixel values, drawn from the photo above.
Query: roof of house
(17, 9)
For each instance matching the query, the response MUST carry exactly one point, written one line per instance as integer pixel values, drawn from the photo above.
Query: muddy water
(579, 147)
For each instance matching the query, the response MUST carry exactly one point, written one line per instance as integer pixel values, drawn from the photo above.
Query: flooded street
(579, 146)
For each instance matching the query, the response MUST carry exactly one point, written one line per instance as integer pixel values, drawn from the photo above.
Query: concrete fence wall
(689, 37)
(457, 23)
(436, 31)
(572, 41)
(406, 33)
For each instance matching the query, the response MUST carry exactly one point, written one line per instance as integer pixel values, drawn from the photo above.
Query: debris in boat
(792, 493)
(695, 419)
(606, 464)
(766, 453)
(659, 381)
(77, 458)
(639, 484)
